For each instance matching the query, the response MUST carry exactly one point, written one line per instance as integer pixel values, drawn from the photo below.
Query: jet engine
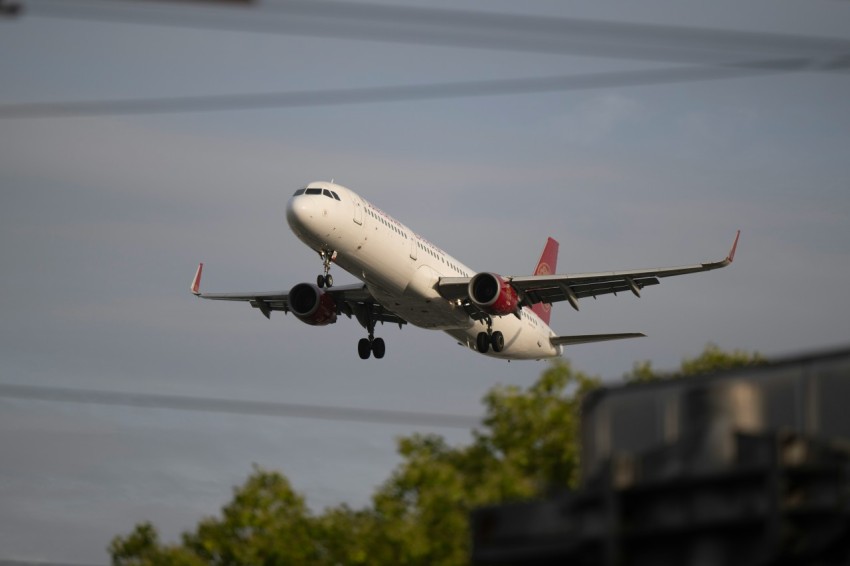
(312, 305)
(493, 295)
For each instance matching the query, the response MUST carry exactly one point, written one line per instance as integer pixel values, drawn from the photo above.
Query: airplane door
(358, 211)
(414, 243)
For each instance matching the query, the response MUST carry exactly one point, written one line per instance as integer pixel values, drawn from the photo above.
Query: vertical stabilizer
(546, 266)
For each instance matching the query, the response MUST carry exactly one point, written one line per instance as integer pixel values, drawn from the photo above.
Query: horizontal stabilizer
(587, 338)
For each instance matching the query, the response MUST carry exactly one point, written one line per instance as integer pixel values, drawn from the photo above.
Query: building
(750, 466)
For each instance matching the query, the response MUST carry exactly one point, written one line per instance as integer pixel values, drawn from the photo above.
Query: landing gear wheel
(326, 279)
(498, 341)
(379, 348)
(370, 345)
(364, 348)
(482, 342)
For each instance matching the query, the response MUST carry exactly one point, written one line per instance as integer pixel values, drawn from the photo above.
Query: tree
(142, 548)
(527, 445)
(536, 431)
(711, 360)
(267, 522)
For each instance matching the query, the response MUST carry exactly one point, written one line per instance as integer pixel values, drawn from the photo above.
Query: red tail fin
(546, 266)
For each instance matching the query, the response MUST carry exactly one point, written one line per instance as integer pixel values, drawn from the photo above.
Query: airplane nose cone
(301, 211)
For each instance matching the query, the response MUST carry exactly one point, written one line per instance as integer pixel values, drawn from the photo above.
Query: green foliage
(528, 444)
(711, 360)
(142, 548)
(266, 523)
(536, 432)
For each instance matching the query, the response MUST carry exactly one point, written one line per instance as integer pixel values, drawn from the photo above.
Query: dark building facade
(750, 466)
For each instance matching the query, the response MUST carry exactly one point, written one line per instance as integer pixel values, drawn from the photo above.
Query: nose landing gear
(326, 279)
(485, 340)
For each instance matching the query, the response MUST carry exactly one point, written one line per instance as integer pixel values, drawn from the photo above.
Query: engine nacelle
(312, 305)
(493, 295)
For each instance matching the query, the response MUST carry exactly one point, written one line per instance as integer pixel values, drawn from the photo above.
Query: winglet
(731, 257)
(196, 282)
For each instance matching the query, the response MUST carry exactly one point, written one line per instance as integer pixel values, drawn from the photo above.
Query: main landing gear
(371, 345)
(326, 279)
(485, 340)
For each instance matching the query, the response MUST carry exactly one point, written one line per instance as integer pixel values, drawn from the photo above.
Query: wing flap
(454, 288)
(557, 288)
(377, 313)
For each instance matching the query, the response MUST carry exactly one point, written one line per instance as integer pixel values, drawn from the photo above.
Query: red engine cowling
(312, 305)
(493, 295)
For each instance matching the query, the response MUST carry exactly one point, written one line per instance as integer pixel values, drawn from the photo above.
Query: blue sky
(103, 220)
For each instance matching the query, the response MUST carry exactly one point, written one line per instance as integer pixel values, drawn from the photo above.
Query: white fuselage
(401, 269)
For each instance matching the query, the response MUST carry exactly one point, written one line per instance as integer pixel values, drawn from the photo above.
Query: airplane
(408, 280)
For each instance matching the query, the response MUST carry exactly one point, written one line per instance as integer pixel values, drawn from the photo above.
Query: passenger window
(314, 191)
(299, 192)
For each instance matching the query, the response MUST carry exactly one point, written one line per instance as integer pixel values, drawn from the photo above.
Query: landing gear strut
(485, 340)
(371, 345)
(326, 279)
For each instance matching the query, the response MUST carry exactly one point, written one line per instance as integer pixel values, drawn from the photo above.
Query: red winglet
(731, 255)
(196, 282)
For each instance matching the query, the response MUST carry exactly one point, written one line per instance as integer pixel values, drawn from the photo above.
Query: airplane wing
(351, 300)
(534, 289)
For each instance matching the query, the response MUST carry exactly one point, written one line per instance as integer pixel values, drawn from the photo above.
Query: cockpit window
(317, 191)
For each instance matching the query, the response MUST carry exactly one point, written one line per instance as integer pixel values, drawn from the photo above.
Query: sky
(103, 219)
